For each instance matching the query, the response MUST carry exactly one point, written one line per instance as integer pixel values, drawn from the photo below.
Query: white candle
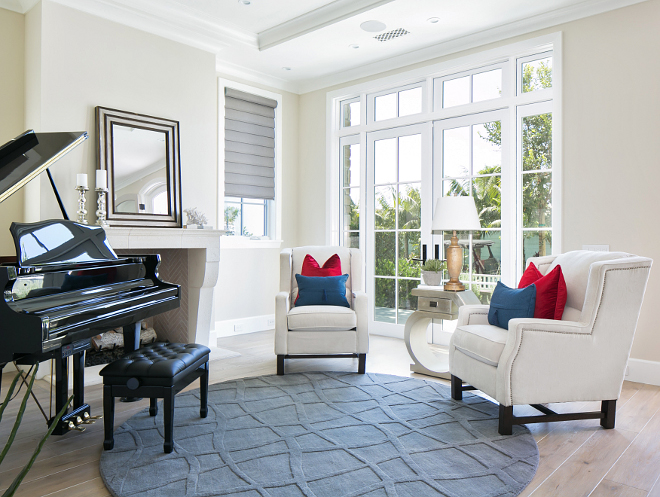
(81, 180)
(101, 178)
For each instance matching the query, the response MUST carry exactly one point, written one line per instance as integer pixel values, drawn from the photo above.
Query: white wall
(12, 56)
(611, 147)
(86, 61)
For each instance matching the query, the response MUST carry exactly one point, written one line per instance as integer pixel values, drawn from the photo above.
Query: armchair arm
(549, 361)
(361, 308)
(281, 328)
(472, 314)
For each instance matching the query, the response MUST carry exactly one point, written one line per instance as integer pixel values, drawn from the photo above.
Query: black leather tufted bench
(157, 371)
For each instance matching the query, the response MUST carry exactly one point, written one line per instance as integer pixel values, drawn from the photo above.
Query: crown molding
(473, 40)
(315, 20)
(230, 70)
(20, 6)
(178, 26)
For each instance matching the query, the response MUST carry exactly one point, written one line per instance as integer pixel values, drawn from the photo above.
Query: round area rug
(323, 435)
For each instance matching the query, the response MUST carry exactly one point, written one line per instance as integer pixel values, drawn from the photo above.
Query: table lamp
(455, 214)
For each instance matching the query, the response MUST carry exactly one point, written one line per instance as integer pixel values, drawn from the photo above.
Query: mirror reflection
(141, 155)
(140, 170)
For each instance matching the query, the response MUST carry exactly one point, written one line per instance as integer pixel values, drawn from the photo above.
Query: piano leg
(61, 382)
(79, 407)
(132, 337)
(131, 344)
(78, 379)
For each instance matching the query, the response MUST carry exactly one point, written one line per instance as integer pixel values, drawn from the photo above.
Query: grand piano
(65, 285)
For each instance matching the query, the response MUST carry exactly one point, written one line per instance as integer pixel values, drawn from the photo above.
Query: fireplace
(189, 258)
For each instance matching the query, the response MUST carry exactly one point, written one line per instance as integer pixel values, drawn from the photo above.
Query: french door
(472, 157)
(398, 193)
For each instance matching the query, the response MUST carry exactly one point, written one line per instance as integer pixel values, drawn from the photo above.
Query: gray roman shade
(249, 145)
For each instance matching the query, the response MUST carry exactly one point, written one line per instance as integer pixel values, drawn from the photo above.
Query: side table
(433, 302)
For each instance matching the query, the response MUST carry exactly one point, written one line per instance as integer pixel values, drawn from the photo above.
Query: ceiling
(316, 39)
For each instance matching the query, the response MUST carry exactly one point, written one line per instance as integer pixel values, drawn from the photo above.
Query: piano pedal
(74, 420)
(88, 420)
(72, 426)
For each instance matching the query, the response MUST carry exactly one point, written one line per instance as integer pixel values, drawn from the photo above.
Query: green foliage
(536, 156)
(434, 265)
(537, 78)
(11, 490)
(231, 213)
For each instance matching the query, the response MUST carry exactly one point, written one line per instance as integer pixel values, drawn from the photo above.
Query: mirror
(141, 155)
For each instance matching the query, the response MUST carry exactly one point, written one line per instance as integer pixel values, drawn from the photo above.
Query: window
(403, 102)
(486, 132)
(350, 113)
(246, 217)
(535, 73)
(251, 151)
(477, 86)
(351, 193)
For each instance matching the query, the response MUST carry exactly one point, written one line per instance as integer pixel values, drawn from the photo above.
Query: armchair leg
(456, 388)
(506, 420)
(608, 408)
(280, 365)
(362, 363)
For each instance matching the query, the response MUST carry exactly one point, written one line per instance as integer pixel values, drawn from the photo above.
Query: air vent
(395, 33)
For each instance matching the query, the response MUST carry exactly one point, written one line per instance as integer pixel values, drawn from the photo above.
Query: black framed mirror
(141, 156)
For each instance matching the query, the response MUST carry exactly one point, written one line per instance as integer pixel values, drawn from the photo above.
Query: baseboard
(232, 327)
(643, 371)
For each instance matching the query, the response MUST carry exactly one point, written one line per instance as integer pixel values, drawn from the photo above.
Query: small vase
(432, 278)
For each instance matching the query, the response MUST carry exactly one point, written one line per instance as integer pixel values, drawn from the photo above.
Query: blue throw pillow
(322, 290)
(510, 303)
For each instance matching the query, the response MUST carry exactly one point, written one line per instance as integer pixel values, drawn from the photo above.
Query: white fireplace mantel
(203, 248)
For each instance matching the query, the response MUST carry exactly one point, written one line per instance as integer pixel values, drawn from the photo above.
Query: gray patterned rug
(323, 435)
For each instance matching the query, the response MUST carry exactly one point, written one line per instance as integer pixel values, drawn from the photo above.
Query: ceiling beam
(316, 19)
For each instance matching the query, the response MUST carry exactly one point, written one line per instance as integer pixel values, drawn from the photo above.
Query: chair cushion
(483, 342)
(321, 318)
(162, 363)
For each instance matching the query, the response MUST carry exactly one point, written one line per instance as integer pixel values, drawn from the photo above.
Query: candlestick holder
(100, 211)
(82, 212)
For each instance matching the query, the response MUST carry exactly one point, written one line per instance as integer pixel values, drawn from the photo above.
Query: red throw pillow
(550, 291)
(331, 267)
(530, 275)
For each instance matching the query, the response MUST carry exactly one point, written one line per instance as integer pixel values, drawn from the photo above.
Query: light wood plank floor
(578, 458)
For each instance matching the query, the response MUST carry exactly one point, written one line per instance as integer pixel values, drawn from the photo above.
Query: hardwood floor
(578, 458)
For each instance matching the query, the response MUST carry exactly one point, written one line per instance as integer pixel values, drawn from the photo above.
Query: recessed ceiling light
(286, 68)
(373, 26)
(433, 20)
(244, 2)
(354, 46)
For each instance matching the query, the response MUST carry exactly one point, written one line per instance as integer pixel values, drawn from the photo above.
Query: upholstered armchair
(583, 357)
(319, 331)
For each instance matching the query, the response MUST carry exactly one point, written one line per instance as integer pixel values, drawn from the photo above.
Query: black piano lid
(28, 155)
(60, 242)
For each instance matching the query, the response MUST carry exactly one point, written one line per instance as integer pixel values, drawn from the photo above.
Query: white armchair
(583, 357)
(320, 331)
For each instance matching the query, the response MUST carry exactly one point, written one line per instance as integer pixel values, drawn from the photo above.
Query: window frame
(273, 211)
(508, 57)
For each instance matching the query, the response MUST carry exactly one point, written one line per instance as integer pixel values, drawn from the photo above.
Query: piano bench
(156, 371)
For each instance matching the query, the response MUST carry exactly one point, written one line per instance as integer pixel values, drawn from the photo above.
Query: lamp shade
(455, 213)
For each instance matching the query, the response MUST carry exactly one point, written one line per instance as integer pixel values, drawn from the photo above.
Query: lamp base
(454, 265)
(454, 286)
